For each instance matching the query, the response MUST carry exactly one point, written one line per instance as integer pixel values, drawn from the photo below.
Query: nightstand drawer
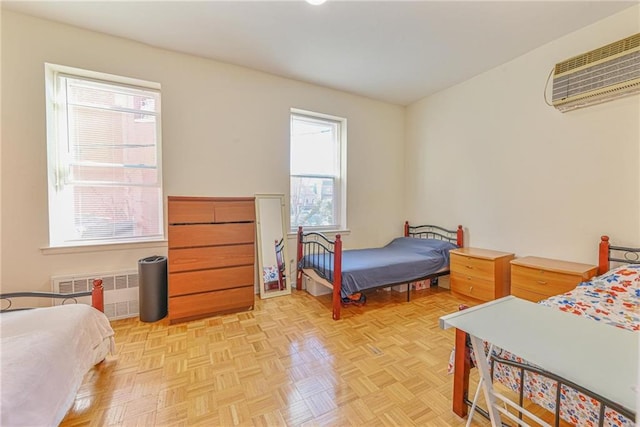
(535, 278)
(528, 295)
(482, 289)
(476, 267)
(542, 281)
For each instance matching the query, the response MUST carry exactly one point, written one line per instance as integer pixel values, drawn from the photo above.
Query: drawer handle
(470, 289)
(542, 282)
(468, 266)
(468, 277)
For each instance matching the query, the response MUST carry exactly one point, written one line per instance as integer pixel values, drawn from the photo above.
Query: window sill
(49, 250)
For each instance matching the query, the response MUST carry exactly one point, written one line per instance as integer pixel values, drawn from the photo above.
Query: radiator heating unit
(120, 291)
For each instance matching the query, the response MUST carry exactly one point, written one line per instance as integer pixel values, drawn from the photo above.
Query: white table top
(597, 356)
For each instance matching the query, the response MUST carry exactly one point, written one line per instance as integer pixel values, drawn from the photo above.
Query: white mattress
(44, 355)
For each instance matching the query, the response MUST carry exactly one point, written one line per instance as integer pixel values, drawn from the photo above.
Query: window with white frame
(104, 158)
(318, 171)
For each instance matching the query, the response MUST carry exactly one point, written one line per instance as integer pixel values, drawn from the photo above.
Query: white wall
(519, 175)
(225, 133)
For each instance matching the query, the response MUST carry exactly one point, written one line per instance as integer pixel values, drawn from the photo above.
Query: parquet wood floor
(284, 363)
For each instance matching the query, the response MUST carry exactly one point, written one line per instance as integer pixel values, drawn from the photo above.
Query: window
(318, 185)
(103, 139)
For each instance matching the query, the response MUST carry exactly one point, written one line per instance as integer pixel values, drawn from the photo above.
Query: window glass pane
(94, 132)
(102, 95)
(116, 144)
(312, 201)
(314, 147)
(116, 212)
(106, 180)
(112, 175)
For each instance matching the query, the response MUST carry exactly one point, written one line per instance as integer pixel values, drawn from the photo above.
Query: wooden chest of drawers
(480, 273)
(535, 279)
(211, 256)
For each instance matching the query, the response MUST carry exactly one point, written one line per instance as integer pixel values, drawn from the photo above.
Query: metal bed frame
(560, 382)
(96, 294)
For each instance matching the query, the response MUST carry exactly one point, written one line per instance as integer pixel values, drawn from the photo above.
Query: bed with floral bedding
(612, 298)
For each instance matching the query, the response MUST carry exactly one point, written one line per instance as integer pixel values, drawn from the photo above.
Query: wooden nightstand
(535, 279)
(480, 273)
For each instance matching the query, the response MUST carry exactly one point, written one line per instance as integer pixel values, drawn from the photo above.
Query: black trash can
(153, 294)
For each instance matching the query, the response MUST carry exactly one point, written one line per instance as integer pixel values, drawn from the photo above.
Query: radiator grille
(120, 291)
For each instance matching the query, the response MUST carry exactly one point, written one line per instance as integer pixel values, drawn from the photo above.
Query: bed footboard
(96, 294)
(608, 253)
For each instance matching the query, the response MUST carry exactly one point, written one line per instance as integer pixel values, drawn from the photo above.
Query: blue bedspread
(402, 260)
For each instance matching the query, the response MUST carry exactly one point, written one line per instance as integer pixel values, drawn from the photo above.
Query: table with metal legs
(598, 357)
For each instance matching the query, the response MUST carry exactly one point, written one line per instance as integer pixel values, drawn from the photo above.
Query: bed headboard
(608, 253)
(435, 232)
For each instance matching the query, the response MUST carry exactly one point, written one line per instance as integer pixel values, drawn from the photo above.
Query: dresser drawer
(188, 259)
(191, 282)
(209, 211)
(241, 211)
(482, 289)
(209, 303)
(191, 212)
(189, 236)
(540, 281)
(476, 267)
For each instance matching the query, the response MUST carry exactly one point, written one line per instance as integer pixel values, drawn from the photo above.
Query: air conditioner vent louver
(621, 46)
(601, 75)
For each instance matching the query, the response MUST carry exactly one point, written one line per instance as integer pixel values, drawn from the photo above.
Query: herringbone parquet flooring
(284, 363)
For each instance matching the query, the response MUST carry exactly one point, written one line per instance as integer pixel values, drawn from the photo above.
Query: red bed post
(298, 261)
(603, 255)
(337, 277)
(97, 295)
(406, 229)
(461, 366)
(460, 237)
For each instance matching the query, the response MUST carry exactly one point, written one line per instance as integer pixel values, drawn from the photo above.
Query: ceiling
(394, 51)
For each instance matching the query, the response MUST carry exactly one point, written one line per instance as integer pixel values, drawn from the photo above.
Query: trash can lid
(153, 259)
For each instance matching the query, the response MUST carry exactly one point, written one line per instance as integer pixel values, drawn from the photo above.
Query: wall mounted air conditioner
(600, 75)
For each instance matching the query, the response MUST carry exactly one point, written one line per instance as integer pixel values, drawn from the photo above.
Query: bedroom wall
(518, 174)
(225, 133)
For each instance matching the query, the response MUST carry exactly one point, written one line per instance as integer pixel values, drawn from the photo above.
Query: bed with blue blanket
(422, 253)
